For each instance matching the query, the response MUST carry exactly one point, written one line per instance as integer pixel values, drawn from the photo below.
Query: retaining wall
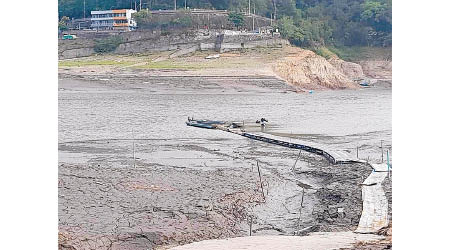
(180, 43)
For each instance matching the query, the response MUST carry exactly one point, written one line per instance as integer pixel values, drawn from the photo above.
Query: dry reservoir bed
(189, 184)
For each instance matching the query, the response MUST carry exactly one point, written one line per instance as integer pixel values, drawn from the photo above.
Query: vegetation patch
(80, 63)
(170, 64)
(324, 52)
(108, 44)
(236, 18)
(362, 53)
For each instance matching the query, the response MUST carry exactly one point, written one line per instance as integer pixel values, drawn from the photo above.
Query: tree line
(308, 23)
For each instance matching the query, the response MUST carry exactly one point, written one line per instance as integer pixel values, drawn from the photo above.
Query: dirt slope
(350, 69)
(306, 70)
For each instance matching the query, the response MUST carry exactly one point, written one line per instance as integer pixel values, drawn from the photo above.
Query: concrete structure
(375, 204)
(79, 24)
(113, 20)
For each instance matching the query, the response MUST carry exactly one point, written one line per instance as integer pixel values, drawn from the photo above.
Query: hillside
(302, 69)
(305, 23)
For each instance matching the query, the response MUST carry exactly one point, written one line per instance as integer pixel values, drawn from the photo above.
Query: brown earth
(307, 70)
(350, 69)
(377, 69)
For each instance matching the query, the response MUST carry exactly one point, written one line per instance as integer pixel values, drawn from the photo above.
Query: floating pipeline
(216, 125)
(310, 149)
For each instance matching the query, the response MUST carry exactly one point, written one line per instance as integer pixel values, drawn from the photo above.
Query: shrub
(62, 24)
(237, 19)
(182, 21)
(108, 44)
(324, 52)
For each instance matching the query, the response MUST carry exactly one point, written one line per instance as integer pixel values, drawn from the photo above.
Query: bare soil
(153, 205)
(302, 69)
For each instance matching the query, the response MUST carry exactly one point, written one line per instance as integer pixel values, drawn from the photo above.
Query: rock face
(351, 70)
(377, 69)
(307, 70)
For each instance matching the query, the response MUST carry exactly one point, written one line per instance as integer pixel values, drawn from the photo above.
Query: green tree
(236, 18)
(62, 24)
(141, 17)
(329, 22)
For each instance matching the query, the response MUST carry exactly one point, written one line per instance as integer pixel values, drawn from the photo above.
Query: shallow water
(346, 118)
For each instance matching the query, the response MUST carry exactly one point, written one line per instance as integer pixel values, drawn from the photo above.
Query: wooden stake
(388, 164)
(251, 222)
(298, 157)
(301, 206)
(301, 203)
(260, 181)
(134, 156)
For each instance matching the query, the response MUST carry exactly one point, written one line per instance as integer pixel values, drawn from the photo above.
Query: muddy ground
(150, 205)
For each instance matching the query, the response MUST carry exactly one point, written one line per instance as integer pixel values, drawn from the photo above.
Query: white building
(113, 20)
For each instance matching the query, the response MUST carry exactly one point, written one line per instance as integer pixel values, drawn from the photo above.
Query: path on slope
(375, 205)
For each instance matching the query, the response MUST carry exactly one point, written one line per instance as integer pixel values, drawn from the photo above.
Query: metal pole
(185, 6)
(254, 13)
(175, 5)
(274, 2)
(381, 151)
(249, 10)
(253, 22)
(84, 9)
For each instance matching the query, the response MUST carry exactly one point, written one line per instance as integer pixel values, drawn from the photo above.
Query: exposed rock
(307, 70)
(351, 70)
(377, 69)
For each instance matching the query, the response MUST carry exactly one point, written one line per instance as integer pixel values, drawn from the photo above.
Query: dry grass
(254, 58)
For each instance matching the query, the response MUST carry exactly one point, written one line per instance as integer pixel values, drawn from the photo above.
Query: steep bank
(306, 70)
(375, 62)
(352, 70)
(377, 69)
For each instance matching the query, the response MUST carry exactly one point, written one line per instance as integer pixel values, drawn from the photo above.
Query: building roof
(112, 11)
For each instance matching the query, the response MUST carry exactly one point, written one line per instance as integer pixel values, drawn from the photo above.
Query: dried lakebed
(189, 184)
